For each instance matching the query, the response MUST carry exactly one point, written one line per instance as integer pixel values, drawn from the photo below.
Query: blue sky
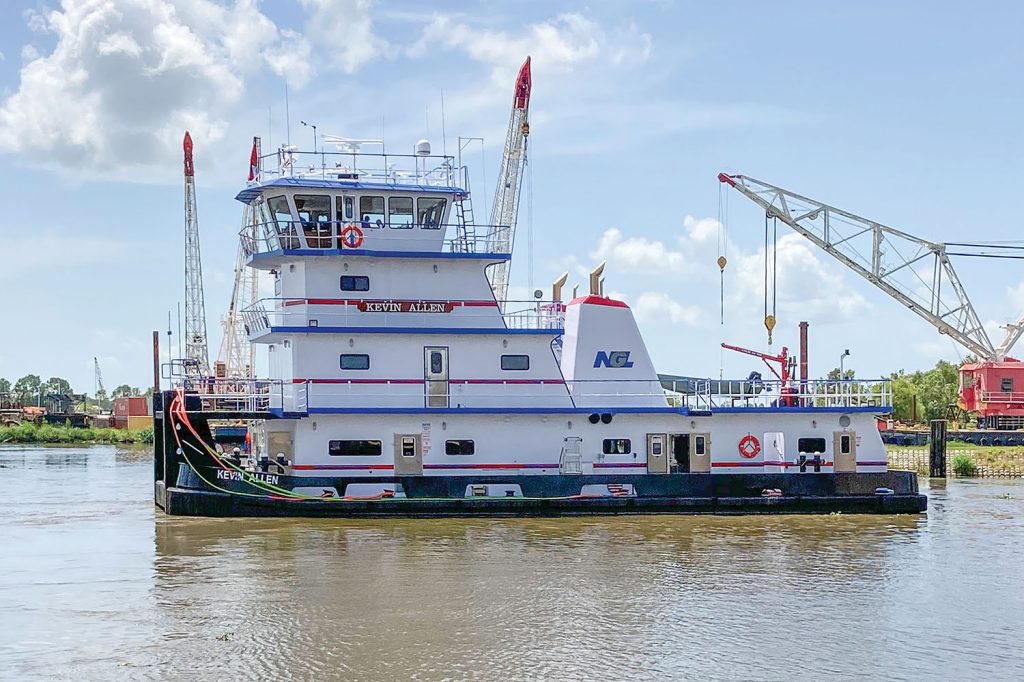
(907, 113)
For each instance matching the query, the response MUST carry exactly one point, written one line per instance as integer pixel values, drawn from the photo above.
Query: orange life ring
(352, 237)
(749, 446)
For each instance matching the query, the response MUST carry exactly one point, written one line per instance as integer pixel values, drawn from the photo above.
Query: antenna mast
(197, 355)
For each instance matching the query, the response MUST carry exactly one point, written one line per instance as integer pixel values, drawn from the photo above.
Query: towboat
(403, 382)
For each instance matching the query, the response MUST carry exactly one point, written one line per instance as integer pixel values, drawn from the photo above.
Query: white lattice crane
(917, 273)
(197, 354)
(237, 356)
(510, 179)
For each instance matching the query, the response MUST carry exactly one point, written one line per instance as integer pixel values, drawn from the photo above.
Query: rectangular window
(279, 209)
(353, 448)
(355, 361)
(430, 212)
(844, 445)
(459, 447)
(616, 446)
(346, 209)
(355, 283)
(515, 362)
(810, 446)
(699, 445)
(1006, 384)
(313, 209)
(400, 212)
(371, 212)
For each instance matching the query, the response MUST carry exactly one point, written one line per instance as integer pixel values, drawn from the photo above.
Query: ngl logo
(614, 358)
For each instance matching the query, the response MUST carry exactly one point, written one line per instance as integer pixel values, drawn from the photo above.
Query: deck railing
(327, 236)
(268, 313)
(235, 395)
(704, 394)
(391, 169)
(1002, 397)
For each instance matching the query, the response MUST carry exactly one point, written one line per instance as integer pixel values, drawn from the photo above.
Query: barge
(403, 382)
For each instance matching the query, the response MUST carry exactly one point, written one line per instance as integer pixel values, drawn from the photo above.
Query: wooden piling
(156, 362)
(937, 449)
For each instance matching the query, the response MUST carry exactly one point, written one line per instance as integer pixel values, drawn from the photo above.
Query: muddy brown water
(96, 584)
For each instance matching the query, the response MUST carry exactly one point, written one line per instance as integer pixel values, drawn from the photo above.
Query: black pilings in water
(937, 449)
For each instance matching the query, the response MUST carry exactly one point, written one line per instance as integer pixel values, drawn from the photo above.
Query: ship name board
(247, 477)
(405, 306)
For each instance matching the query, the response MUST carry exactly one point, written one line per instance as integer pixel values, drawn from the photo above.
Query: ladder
(465, 241)
(571, 459)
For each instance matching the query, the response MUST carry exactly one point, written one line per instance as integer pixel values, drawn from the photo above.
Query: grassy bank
(964, 459)
(29, 433)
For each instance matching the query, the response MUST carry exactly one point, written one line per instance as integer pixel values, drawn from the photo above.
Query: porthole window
(810, 446)
(459, 447)
(515, 362)
(353, 448)
(355, 361)
(616, 446)
(355, 283)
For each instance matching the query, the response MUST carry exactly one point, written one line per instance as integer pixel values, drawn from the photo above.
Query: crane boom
(914, 271)
(197, 355)
(510, 176)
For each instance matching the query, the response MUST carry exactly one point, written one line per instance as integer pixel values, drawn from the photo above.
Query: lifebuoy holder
(749, 446)
(352, 236)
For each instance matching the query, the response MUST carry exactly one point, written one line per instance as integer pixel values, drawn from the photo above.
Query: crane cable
(770, 244)
(723, 242)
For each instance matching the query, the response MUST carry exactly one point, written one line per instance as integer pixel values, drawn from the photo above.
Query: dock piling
(937, 449)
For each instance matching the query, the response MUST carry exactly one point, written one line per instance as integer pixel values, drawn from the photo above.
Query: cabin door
(844, 451)
(408, 455)
(657, 454)
(435, 375)
(680, 453)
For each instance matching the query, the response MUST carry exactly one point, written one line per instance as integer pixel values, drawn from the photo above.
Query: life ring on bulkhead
(749, 446)
(352, 237)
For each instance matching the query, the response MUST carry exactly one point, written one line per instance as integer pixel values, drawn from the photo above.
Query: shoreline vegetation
(65, 435)
(962, 459)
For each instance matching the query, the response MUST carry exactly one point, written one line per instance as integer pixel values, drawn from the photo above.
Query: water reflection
(96, 583)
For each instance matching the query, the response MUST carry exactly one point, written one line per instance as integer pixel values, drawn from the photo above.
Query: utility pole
(197, 355)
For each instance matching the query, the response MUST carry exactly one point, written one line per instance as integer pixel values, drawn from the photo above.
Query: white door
(435, 375)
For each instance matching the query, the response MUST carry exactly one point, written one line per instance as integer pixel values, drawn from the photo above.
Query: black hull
(181, 491)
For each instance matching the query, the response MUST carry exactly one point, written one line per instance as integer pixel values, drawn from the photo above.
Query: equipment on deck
(510, 177)
(197, 354)
(917, 273)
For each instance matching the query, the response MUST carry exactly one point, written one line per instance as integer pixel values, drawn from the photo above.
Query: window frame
(367, 443)
(440, 218)
(411, 214)
(354, 278)
(383, 214)
(610, 446)
(460, 445)
(819, 443)
(845, 444)
(515, 369)
(341, 362)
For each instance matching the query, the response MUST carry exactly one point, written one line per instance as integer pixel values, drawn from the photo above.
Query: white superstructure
(390, 355)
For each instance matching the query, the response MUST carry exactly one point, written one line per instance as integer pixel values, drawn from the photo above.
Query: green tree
(933, 390)
(26, 389)
(56, 385)
(5, 386)
(125, 391)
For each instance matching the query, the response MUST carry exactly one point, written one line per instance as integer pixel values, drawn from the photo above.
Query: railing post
(937, 449)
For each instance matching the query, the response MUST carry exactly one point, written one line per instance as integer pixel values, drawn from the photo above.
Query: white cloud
(635, 254)
(124, 80)
(657, 306)
(345, 32)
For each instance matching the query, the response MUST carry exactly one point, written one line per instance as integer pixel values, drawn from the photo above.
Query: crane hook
(769, 324)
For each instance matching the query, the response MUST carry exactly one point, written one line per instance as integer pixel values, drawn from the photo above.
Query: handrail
(427, 170)
(337, 235)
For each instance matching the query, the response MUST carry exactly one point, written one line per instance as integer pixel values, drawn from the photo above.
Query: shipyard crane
(510, 176)
(197, 356)
(919, 274)
(237, 356)
(98, 381)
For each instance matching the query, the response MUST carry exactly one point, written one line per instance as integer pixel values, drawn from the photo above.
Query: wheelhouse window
(371, 212)
(280, 211)
(616, 446)
(810, 446)
(459, 447)
(430, 212)
(400, 212)
(355, 361)
(355, 283)
(315, 216)
(353, 448)
(515, 362)
(346, 208)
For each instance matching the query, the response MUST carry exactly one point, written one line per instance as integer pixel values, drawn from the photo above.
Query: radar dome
(423, 148)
